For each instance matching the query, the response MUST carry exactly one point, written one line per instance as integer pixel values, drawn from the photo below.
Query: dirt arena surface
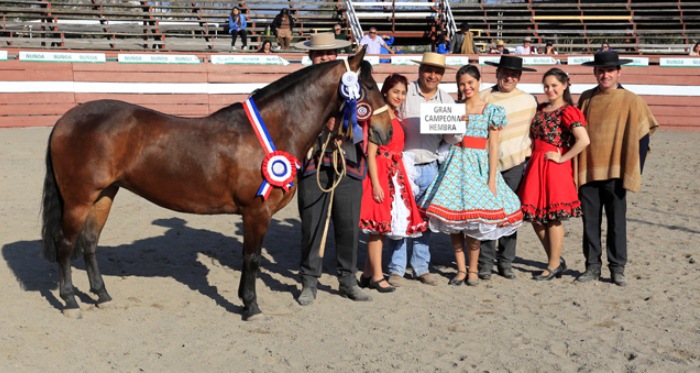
(174, 279)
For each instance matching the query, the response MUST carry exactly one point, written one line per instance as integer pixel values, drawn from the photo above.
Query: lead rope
(339, 174)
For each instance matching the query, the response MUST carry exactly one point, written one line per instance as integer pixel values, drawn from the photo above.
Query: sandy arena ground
(174, 280)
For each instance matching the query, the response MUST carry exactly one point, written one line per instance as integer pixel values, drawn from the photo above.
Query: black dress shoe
(363, 282)
(375, 285)
(354, 293)
(618, 278)
(507, 272)
(485, 273)
(552, 274)
(590, 275)
(458, 282)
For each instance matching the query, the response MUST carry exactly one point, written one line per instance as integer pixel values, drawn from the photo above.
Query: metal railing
(353, 21)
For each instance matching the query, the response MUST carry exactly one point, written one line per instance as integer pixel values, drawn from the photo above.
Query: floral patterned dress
(548, 192)
(459, 200)
(397, 216)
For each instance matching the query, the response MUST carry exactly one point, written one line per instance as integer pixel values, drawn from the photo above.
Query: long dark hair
(391, 81)
(563, 78)
(470, 70)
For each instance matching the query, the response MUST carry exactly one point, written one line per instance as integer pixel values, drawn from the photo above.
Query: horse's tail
(52, 211)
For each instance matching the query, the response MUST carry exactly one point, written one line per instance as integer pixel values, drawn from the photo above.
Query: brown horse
(208, 165)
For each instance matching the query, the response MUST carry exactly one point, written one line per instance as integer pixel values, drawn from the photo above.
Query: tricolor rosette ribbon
(278, 168)
(351, 91)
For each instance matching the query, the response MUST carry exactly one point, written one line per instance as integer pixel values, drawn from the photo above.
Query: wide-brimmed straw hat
(607, 58)
(433, 59)
(501, 42)
(510, 63)
(322, 41)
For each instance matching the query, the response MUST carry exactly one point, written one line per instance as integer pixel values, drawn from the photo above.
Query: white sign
(544, 60)
(158, 58)
(237, 59)
(638, 61)
(373, 60)
(404, 60)
(3, 55)
(62, 57)
(442, 118)
(456, 60)
(483, 59)
(577, 60)
(679, 62)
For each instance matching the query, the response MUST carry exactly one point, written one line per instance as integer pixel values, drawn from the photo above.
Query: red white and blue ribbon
(278, 168)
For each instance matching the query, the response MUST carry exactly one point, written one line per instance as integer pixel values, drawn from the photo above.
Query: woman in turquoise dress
(469, 197)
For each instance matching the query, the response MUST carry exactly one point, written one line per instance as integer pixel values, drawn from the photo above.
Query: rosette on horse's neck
(351, 91)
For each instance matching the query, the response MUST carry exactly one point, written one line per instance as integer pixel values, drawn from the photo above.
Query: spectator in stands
(237, 26)
(282, 27)
(462, 42)
(314, 203)
(549, 48)
(389, 42)
(501, 48)
(513, 151)
(695, 50)
(375, 42)
(443, 44)
(424, 148)
(266, 47)
(526, 48)
(340, 35)
(605, 47)
(619, 126)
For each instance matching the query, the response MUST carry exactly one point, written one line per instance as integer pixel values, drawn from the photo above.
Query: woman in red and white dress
(548, 193)
(388, 207)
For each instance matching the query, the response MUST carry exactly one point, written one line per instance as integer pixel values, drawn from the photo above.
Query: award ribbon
(278, 168)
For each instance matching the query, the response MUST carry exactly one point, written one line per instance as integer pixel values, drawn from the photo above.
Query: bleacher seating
(653, 27)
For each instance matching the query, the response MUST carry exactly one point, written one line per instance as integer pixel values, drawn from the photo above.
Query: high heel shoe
(457, 282)
(557, 272)
(562, 263)
(375, 285)
(473, 282)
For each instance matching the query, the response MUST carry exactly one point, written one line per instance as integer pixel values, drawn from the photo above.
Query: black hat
(510, 63)
(607, 58)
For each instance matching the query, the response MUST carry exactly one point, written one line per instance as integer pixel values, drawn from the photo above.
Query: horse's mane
(288, 82)
(300, 79)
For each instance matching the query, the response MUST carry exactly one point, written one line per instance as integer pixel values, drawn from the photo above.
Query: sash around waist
(472, 142)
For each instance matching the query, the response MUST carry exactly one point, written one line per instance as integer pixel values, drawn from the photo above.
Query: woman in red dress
(548, 194)
(388, 207)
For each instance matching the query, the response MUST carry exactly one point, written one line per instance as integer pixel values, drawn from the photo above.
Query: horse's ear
(355, 60)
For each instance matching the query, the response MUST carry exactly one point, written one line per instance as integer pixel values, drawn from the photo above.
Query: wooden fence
(43, 105)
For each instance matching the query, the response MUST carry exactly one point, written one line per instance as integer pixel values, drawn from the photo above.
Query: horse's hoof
(108, 304)
(72, 313)
(252, 313)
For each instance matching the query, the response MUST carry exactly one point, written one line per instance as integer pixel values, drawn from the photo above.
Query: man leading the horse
(344, 202)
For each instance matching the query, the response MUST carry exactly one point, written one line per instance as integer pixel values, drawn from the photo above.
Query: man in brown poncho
(619, 125)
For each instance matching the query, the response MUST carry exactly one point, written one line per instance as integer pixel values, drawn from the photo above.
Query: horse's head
(380, 121)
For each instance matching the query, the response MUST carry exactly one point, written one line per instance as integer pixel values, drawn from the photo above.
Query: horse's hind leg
(71, 227)
(254, 229)
(91, 234)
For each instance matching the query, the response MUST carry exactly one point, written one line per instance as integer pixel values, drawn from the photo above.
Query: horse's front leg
(254, 228)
